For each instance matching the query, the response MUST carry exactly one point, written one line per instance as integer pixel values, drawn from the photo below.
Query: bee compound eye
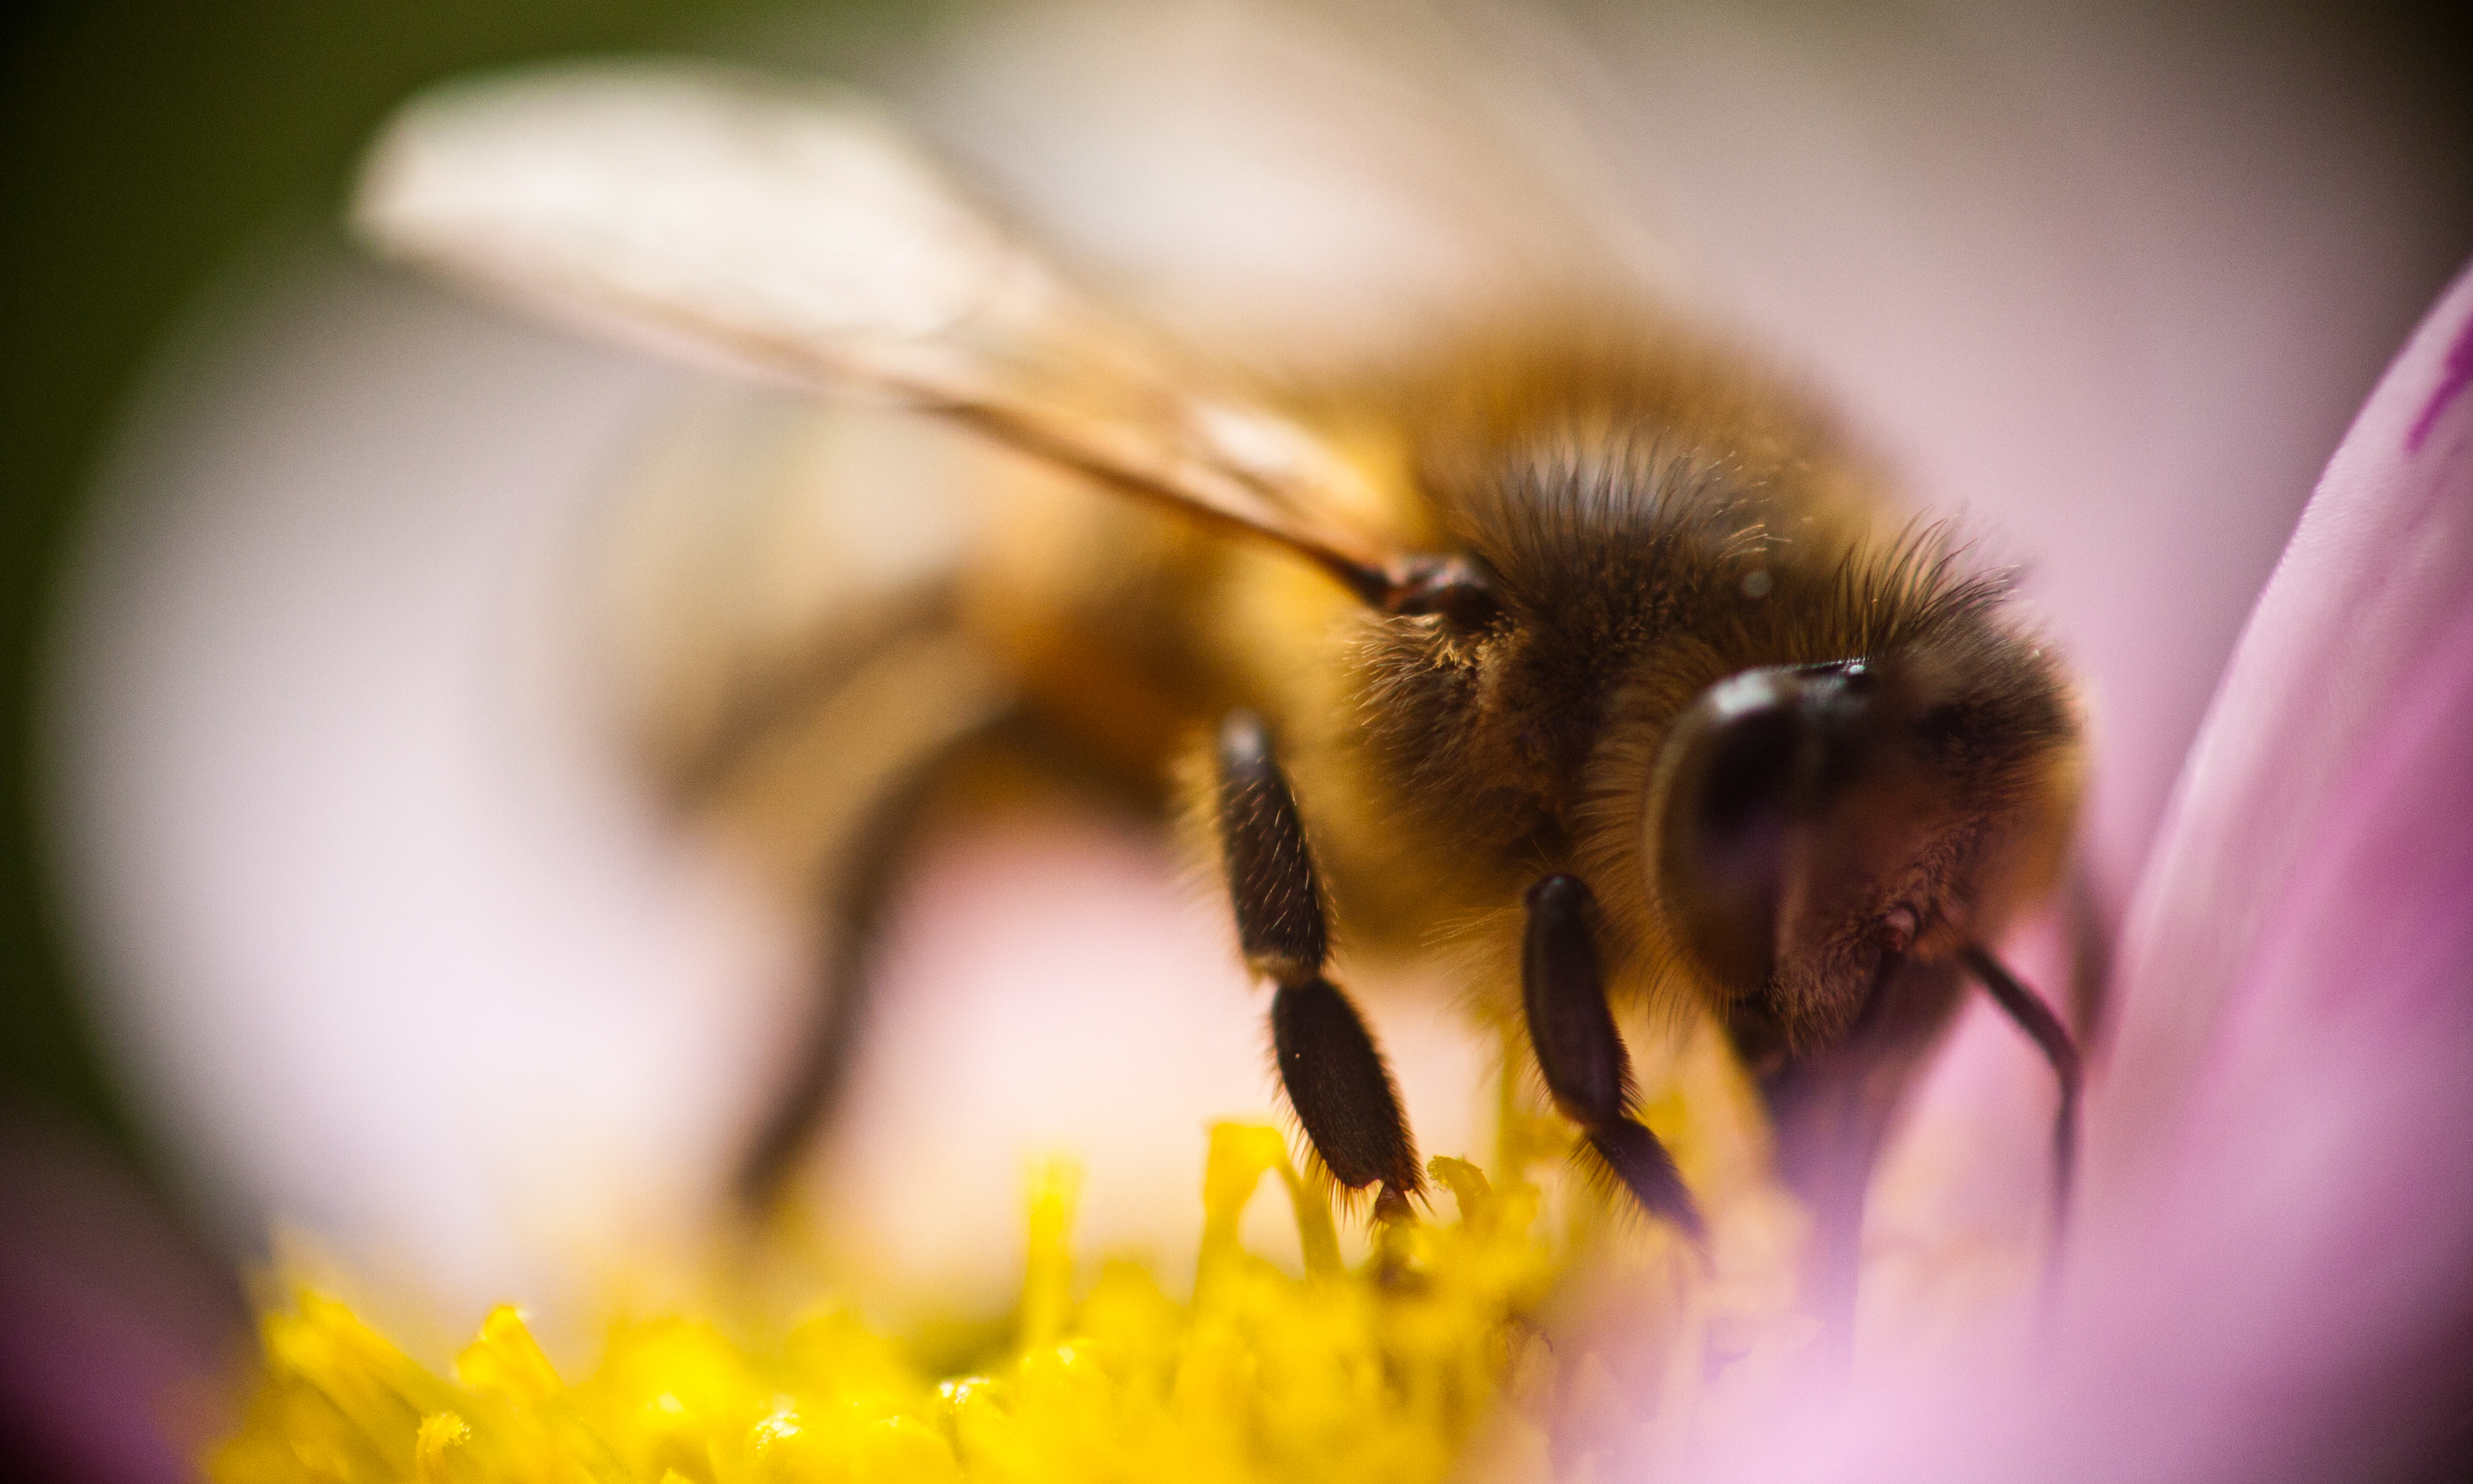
(1720, 834)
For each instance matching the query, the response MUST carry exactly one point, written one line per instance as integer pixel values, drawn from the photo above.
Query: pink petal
(2344, 640)
(2272, 1280)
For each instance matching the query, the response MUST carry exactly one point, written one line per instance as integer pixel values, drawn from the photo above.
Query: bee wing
(792, 234)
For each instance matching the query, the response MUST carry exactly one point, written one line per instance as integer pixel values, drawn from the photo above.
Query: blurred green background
(147, 143)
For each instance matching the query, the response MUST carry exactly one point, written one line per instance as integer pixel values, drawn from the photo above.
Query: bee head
(1809, 826)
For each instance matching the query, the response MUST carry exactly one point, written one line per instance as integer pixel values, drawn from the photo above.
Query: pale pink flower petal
(2275, 1280)
(2379, 573)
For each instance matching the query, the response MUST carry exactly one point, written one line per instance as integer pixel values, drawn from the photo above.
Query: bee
(1578, 649)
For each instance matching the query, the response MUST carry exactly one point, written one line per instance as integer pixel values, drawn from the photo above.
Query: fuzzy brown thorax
(1635, 569)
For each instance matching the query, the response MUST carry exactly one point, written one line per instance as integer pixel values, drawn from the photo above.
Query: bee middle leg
(857, 905)
(1335, 1075)
(824, 777)
(1582, 1054)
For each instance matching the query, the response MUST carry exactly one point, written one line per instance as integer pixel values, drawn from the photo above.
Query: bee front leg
(1582, 1055)
(1335, 1075)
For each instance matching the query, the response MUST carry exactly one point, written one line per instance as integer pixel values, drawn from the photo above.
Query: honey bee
(1580, 651)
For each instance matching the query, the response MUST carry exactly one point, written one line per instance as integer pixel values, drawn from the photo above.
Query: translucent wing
(793, 233)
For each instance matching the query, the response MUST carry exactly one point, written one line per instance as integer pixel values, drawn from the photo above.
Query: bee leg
(1582, 1055)
(1334, 1074)
(824, 767)
(854, 909)
(2052, 1039)
(956, 708)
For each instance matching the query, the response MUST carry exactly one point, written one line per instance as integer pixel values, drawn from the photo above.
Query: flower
(260, 898)
(2265, 1279)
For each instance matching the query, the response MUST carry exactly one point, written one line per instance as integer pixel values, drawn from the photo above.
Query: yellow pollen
(1444, 1340)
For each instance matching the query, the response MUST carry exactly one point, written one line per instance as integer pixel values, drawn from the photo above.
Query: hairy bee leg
(2050, 1036)
(1341, 1091)
(1333, 1073)
(1582, 1054)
